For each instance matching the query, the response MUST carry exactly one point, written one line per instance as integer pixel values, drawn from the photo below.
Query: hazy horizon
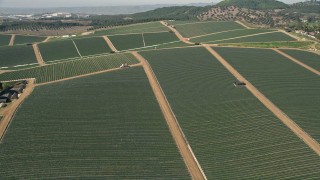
(84, 3)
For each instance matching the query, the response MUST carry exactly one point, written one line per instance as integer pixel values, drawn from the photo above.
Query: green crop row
(294, 89)
(106, 126)
(202, 28)
(231, 133)
(70, 68)
(16, 55)
(310, 59)
(19, 39)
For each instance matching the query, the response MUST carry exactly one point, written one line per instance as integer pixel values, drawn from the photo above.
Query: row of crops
(189, 30)
(135, 28)
(308, 58)
(134, 41)
(4, 39)
(19, 39)
(16, 55)
(231, 133)
(68, 69)
(289, 86)
(106, 126)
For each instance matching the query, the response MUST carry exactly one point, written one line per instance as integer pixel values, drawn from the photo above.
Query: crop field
(16, 55)
(202, 28)
(56, 50)
(68, 69)
(308, 58)
(159, 38)
(229, 34)
(123, 137)
(92, 46)
(125, 42)
(4, 39)
(292, 88)
(135, 28)
(231, 133)
(28, 39)
(271, 37)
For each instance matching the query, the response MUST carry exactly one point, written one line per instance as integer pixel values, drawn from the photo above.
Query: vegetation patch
(294, 89)
(69, 69)
(92, 46)
(4, 39)
(159, 38)
(231, 133)
(270, 37)
(105, 126)
(56, 50)
(16, 55)
(289, 44)
(19, 39)
(308, 58)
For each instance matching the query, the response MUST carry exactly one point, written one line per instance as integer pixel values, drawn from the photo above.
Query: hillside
(254, 4)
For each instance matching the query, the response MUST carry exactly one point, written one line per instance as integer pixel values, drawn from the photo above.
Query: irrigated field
(92, 46)
(159, 38)
(16, 55)
(292, 88)
(229, 34)
(231, 133)
(135, 28)
(28, 39)
(4, 39)
(202, 28)
(125, 42)
(106, 126)
(270, 37)
(57, 50)
(308, 58)
(68, 69)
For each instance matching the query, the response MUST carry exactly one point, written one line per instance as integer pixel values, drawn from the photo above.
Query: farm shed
(4, 99)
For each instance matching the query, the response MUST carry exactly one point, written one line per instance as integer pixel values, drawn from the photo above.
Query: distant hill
(254, 4)
(305, 7)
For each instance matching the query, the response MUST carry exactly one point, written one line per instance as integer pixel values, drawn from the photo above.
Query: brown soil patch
(110, 43)
(181, 38)
(313, 144)
(8, 112)
(297, 61)
(185, 150)
(13, 36)
(38, 54)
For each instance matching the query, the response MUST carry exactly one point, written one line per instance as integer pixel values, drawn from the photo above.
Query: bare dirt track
(185, 150)
(13, 36)
(297, 61)
(243, 24)
(313, 144)
(8, 112)
(295, 37)
(177, 33)
(47, 39)
(110, 43)
(38, 55)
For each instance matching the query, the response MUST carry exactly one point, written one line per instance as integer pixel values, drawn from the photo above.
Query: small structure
(239, 83)
(197, 43)
(124, 65)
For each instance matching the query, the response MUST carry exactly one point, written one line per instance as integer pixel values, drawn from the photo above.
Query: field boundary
(313, 144)
(38, 54)
(220, 32)
(75, 45)
(9, 111)
(85, 75)
(297, 61)
(13, 37)
(295, 37)
(110, 44)
(47, 39)
(176, 32)
(186, 152)
(242, 24)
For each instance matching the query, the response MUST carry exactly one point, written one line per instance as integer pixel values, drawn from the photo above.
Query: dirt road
(180, 37)
(38, 54)
(242, 24)
(47, 39)
(110, 44)
(8, 112)
(313, 144)
(297, 61)
(13, 36)
(295, 37)
(185, 150)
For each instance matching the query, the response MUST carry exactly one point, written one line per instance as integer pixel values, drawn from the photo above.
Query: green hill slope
(254, 4)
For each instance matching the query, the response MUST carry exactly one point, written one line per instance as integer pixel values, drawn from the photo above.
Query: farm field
(231, 133)
(271, 37)
(4, 39)
(202, 28)
(16, 55)
(125, 42)
(159, 38)
(229, 34)
(92, 46)
(294, 89)
(135, 28)
(56, 50)
(19, 39)
(123, 135)
(308, 58)
(68, 69)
